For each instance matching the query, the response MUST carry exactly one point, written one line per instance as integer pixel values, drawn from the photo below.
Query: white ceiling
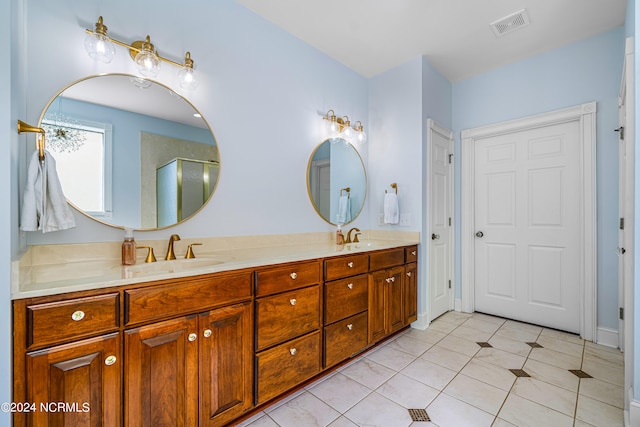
(372, 36)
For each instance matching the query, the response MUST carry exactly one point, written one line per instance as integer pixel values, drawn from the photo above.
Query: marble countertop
(49, 279)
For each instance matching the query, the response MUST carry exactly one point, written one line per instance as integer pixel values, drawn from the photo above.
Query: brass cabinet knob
(207, 333)
(350, 264)
(350, 326)
(192, 337)
(350, 286)
(293, 301)
(293, 351)
(294, 275)
(409, 274)
(387, 280)
(413, 253)
(77, 315)
(110, 360)
(393, 279)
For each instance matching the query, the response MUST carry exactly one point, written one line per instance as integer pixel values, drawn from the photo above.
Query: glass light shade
(99, 47)
(186, 78)
(148, 63)
(361, 136)
(347, 132)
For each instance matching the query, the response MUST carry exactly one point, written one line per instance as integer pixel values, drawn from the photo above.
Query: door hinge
(621, 130)
(449, 221)
(450, 158)
(621, 223)
(621, 313)
(449, 284)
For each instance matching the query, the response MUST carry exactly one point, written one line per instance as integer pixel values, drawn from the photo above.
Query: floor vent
(534, 345)
(484, 344)
(510, 23)
(419, 415)
(520, 373)
(580, 373)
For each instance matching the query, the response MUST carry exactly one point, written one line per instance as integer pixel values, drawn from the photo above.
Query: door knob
(435, 236)
(479, 234)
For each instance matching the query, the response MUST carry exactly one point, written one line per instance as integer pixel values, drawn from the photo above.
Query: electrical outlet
(405, 219)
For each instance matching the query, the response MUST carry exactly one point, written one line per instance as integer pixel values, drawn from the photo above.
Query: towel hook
(25, 127)
(394, 186)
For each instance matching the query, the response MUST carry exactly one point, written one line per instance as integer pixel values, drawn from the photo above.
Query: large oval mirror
(337, 181)
(131, 152)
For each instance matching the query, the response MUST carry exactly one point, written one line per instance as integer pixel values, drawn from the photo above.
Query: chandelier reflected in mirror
(62, 133)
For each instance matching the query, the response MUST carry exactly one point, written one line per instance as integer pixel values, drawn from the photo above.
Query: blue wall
(584, 71)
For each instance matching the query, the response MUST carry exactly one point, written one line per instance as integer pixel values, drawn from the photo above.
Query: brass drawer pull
(350, 326)
(294, 275)
(207, 333)
(409, 274)
(192, 337)
(350, 264)
(293, 301)
(77, 315)
(110, 360)
(293, 351)
(350, 286)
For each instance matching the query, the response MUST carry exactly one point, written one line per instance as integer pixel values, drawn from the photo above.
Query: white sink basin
(173, 266)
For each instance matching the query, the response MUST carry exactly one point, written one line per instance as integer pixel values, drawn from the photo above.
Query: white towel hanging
(391, 211)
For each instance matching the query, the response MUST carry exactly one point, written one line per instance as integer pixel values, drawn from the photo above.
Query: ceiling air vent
(510, 23)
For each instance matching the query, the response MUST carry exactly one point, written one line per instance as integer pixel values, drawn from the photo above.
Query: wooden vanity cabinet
(288, 319)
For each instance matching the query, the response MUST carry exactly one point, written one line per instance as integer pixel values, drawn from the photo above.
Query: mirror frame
(364, 171)
(101, 221)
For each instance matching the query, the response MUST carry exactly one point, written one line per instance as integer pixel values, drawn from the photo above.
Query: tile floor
(460, 383)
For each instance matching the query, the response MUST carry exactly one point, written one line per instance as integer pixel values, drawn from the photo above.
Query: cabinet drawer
(292, 276)
(189, 295)
(345, 297)
(283, 367)
(336, 268)
(285, 316)
(386, 259)
(411, 254)
(74, 318)
(344, 339)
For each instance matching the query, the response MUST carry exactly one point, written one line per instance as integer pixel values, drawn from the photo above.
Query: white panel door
(528, 222)
(440, 250)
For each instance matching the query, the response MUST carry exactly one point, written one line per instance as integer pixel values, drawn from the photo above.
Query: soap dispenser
(339, 236)
(128, 248)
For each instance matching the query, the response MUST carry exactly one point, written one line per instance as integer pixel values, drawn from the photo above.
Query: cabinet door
(85, 376)
(394, 300)
(161, 374)
(411, 293)
(226, 364)
(377, 315)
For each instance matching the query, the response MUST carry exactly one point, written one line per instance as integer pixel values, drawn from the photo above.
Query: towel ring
(24, 127)
(394, 186)
(347, 189)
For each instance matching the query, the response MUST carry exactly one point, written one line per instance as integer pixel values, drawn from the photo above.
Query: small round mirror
(130, 152)
(337, 181)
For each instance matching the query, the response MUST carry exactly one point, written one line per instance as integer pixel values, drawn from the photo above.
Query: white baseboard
(422, 322)
(632, 417)
(608, 337)
(457, 305)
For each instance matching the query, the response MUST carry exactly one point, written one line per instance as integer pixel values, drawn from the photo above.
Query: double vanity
(206, 342)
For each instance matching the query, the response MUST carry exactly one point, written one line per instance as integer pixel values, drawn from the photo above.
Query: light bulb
(186, 75)
(361, 136)
(147, 60)
(347, 131)
(98, 45)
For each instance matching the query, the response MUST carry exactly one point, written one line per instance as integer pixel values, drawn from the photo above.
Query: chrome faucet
(348, 239)
(170, 253)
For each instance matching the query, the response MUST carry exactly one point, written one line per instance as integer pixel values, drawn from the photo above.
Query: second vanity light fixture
(341, 127)
(100, 47)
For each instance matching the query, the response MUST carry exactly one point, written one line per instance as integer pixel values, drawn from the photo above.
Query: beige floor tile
(552, 375)
(517, 334)
(510, 346)
(427, 335)
(410, 345)
(604, 371)
(343, 422)
(603, 391)
(499, 422)
(598, 414)
(521, 326)
(561, 346)
(429, 373)
(489, 318)
(391, 357)
(605, 355)
(476, 393)
(447, 411)
(490, 374)
(481, 325)
(471, 334)
(454, 317)
(443, 326)
(525, 413)
(447, 358)
(306, 409)
(408, 392)
(564, 336)
(555, 358)
(459, 345)
(262, 421)
(369, 373)
(377, 410)
(500, 358)
(546, 394)
(340, 392)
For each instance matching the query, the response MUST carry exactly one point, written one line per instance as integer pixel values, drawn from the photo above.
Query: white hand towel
(344, 210)
(44, 206)
(391, 211)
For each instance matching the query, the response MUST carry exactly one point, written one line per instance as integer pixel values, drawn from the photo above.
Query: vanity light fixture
(341, 127)
(100, 47)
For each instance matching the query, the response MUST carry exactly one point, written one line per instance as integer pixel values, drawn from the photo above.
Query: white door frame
(585, 114)
(434, 127)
